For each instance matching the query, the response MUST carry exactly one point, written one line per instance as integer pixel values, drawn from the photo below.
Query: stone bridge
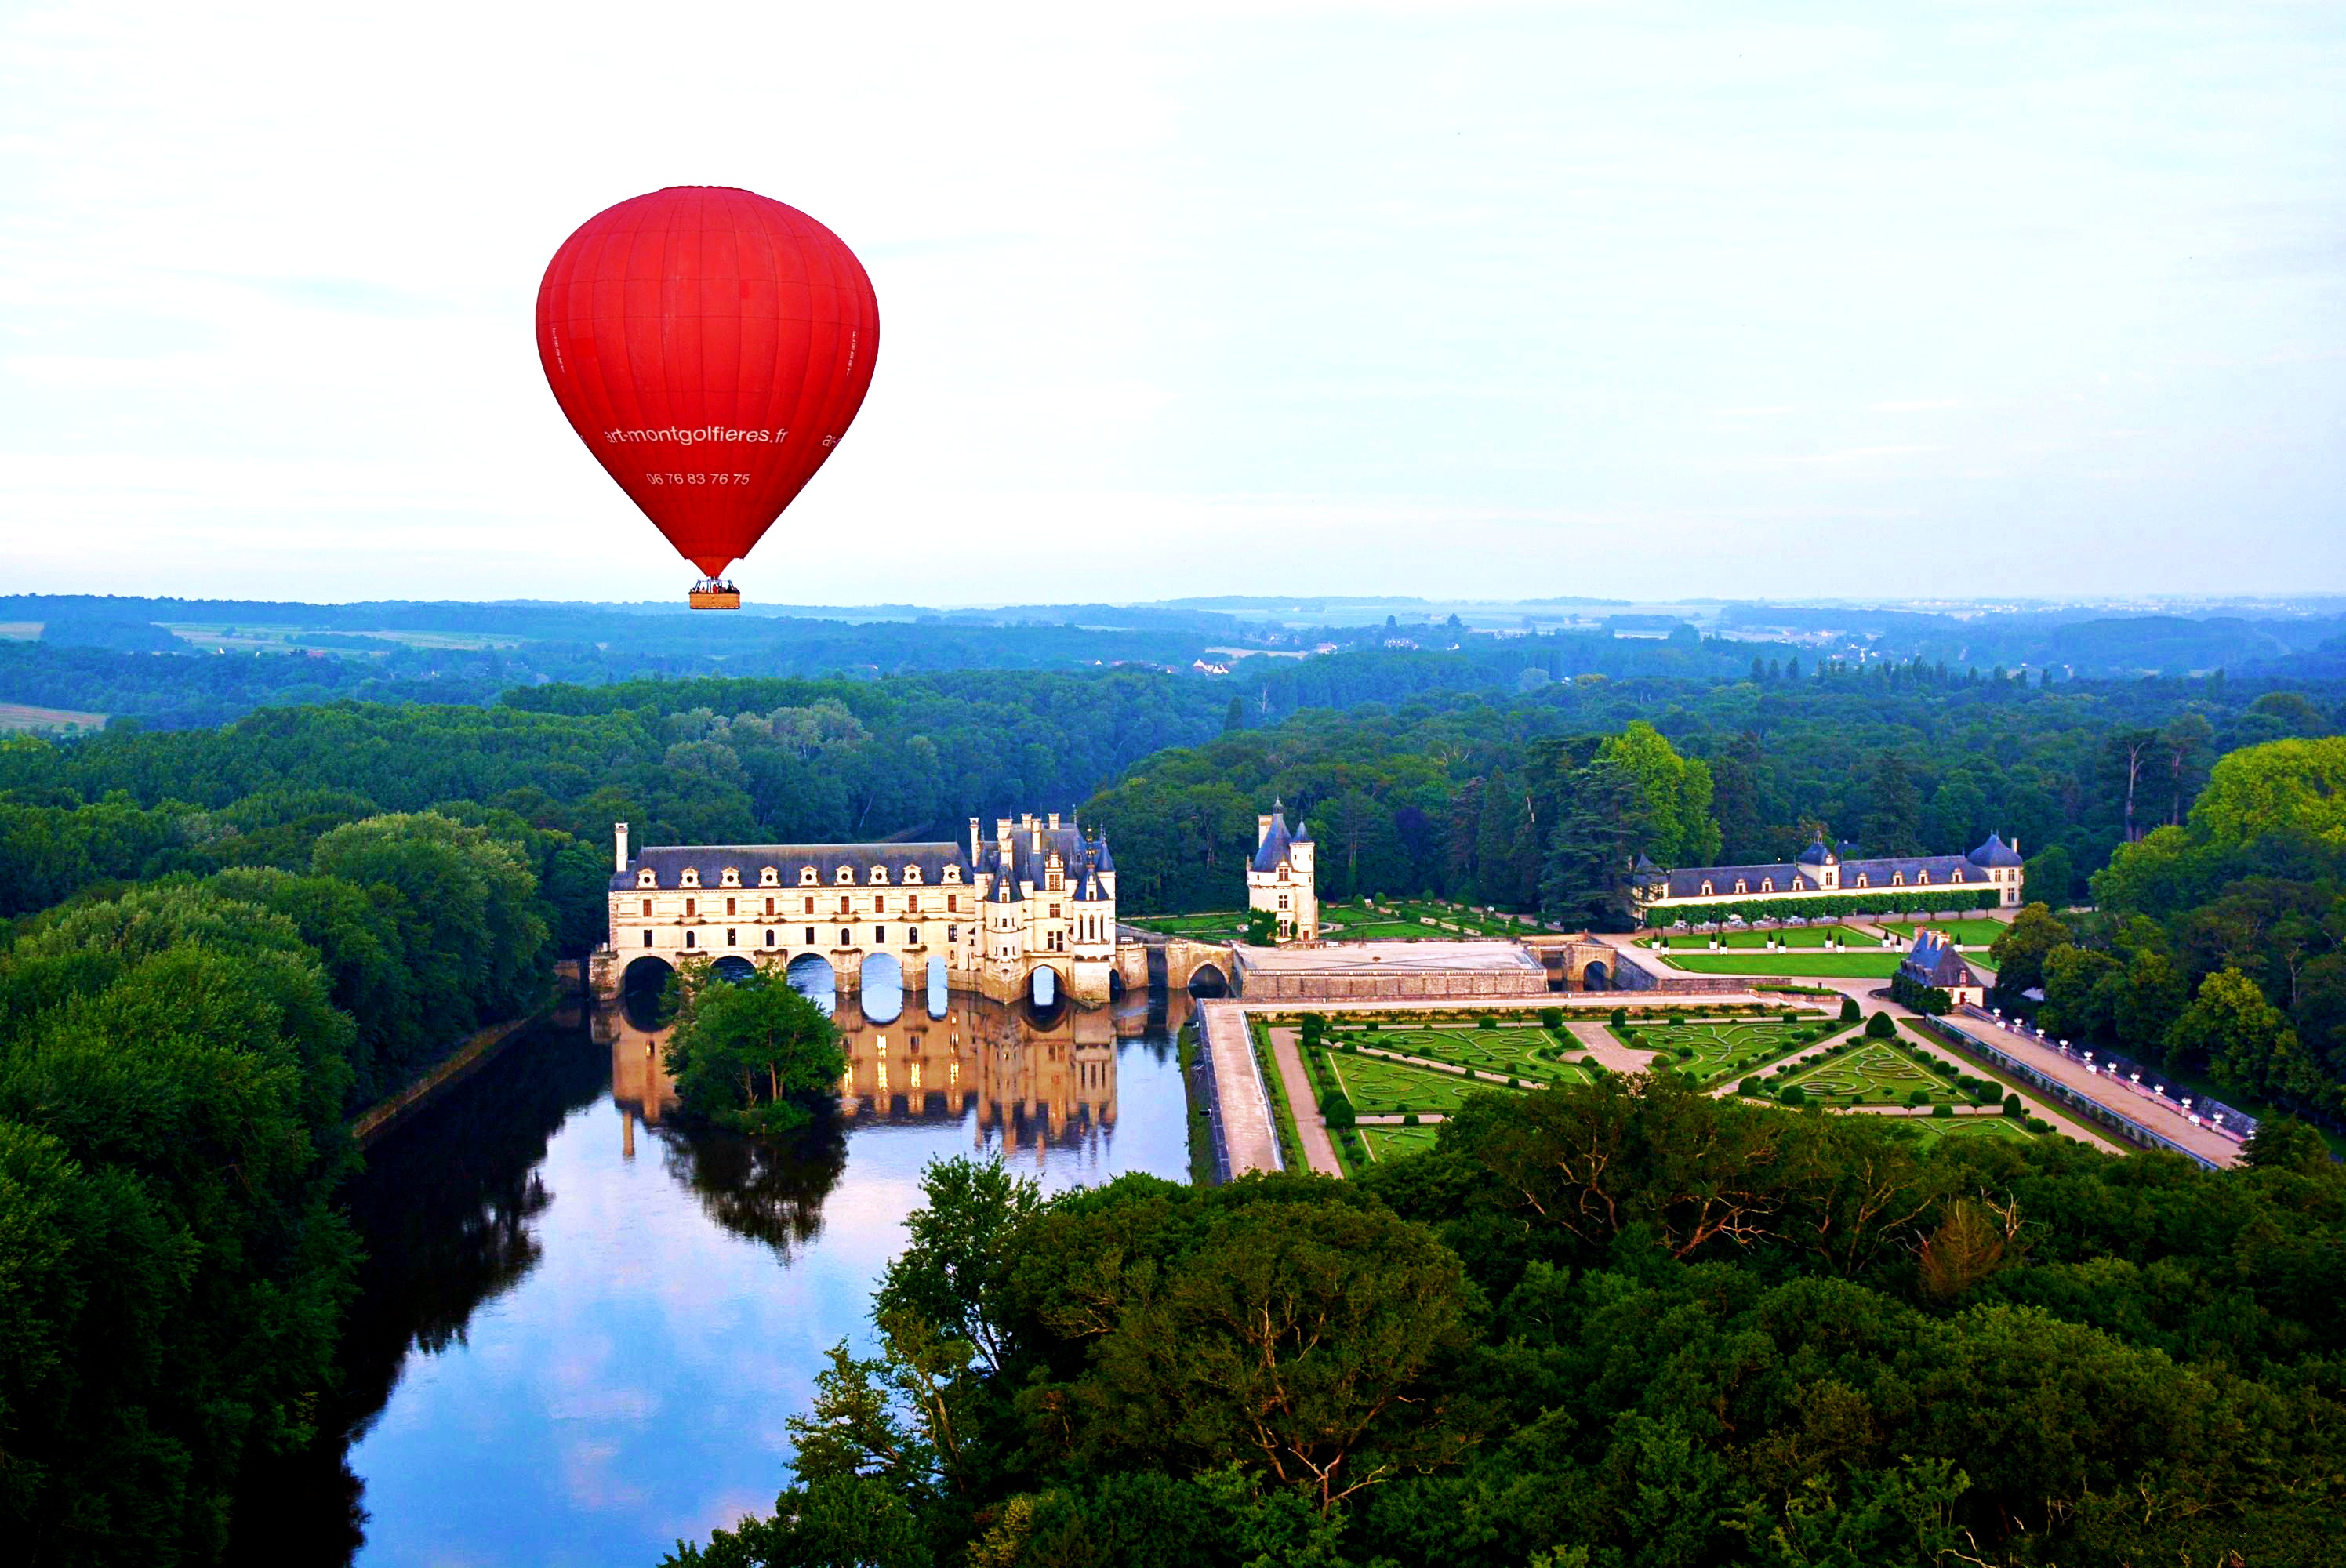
(1149, 958)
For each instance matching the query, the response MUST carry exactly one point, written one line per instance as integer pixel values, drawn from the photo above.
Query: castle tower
(1280, 879)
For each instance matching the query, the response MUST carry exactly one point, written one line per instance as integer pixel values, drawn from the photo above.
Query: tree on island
(752, 1054)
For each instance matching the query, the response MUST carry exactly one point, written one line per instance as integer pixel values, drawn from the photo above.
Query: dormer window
(846, 877)
(1958, 875)
(768, 877)
(1922, 879)
(913, 876)
(1897, 879)
(807, 878)
(732, 877)
(1740, 886)
(1706, 887)
(879, 876)
(691, 878)
(645, 879)
(1861, 879)
(1766, 884)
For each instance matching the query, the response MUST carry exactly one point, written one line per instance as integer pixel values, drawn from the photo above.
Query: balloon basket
(713, 595)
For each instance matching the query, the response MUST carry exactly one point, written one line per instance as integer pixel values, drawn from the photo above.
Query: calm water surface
(583, 1327)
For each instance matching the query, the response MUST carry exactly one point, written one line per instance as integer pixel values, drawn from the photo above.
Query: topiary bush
(1336, 1110)
(1486, 1022)
(1918, 1097)
(1880, 1027)
(1552, 1017)
(2012, 1107)
(1620, 1018)
(1752, 1087)
(1943, 1110)
(1792, 1095)
(1410, 1120)
(1850, 1010)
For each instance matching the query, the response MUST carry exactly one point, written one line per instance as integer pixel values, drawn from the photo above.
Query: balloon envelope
(710, 347)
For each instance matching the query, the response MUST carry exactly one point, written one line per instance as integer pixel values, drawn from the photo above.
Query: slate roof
(1996, 852)
(1789, 877)
(1106, 860)
(668, 862)
(1274, 846)
(1817, 853)
(1935, 961)
(1027, 864)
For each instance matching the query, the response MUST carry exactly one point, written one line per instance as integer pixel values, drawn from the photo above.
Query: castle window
(880, 904)
(1282, 901)
(953, 903)
(687, 939)
(846, 876)
(1706, 887)
(691, 878)
(880, 935)
(846, 937)
(1897, 879)
(912, 874)
(806, 876)
(1054, 912)
(768, 877)
(769, 906)
(810, 906)
(647, 939)
(644, 879)
(1861, 878)
(648, 909)
(732, 937)
(911, 903)
(1958, 875)
(810, 936)
(1922, 879)
(770, 936)
(952, 873)
(842, 903)
(1051, 881)
(879, 875)
(732, 877)
(691, 907)
(952, 933)
(1766, 884)
(1740, 886)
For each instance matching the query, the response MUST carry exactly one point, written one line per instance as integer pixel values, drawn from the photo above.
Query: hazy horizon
(1503, 301)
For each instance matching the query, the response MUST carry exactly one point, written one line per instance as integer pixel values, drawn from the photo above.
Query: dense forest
(1524, 802)
(1621, 1326)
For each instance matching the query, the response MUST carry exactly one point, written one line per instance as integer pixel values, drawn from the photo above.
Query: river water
(582, 1327)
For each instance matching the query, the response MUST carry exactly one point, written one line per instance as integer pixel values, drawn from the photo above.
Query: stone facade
(1824, 869)
(1037, 895)
(1281, 878)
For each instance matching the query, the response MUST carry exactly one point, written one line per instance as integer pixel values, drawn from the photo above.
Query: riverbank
(460, 1063)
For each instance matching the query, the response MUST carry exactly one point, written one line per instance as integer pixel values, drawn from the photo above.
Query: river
(581, 1327)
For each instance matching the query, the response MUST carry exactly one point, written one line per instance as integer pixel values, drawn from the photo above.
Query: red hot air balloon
(710, 347)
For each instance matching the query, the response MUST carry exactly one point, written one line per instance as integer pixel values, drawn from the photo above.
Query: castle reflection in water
(1026, 1078)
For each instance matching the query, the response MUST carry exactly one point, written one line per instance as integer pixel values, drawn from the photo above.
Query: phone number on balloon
(696, 479)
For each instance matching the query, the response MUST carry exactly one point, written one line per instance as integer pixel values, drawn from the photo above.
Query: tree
(753, 1052)
(1881, 1026)
(1892, 825)
(2019, 952)
(2284, 1143)
(2294, 789)
(2245, 1042)
(1584, 876)
(1234, 717)
(962, 1242)
(2049, 876)
(1672, 795)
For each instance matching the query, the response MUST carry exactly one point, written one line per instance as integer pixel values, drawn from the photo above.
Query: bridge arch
(812, 976)
(1597, 976)
(733, 967)
(647, 974)
(938, 991)
(882, 982)
(1208, 980)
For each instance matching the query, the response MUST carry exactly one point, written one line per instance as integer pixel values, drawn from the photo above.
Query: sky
(1639, 300)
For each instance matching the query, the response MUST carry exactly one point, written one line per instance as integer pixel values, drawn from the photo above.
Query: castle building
(1823, 869)
(1279, 879)
(1037, 895)
(1934, 963)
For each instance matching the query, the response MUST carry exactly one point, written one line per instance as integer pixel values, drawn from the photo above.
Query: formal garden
(1508, 1049)
(1865, 963)
(1713, 1050)
(1964, 932)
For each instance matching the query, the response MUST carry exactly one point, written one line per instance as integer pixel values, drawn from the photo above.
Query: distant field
(22, 716)
(1861, 965)
(20, 631)
(280, 639)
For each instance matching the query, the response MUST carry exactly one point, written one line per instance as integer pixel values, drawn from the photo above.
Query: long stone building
(1038, 895)
(1823, 870)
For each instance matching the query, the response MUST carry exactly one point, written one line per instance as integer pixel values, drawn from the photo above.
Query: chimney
(972, 842)
(620, 857)
(1054, 821)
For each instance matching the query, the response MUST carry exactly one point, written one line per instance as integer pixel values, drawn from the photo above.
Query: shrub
(1410, 1120)
(1620, 1018)
(1515, 1083)
(1351, 1047)
(1918, 1097)
(1752, 1087)
(1374, 1026)
(1336, 1110)
(1792, 1095)
(1943, 1110)
(1880, 1027)
(1850, 1010)
(1660, 1063)
(2037, 1124)
(1552, 1017)
(1486, 1022)
(2012, 1107)
(1684, 1052)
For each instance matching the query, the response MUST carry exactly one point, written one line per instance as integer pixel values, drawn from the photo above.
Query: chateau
(1279, 877)
(1821, 869)
(1039, 895)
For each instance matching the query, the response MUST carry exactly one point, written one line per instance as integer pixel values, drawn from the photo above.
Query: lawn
(1966, 933)
(1998, 1127)
(1218, 924)
(1404, 918)
(1864, 964)
(1874, 1074)
(1517, 1052)
(1791, 936)
(1391, 1143)
(1728, 1048)
(1381, 1088)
